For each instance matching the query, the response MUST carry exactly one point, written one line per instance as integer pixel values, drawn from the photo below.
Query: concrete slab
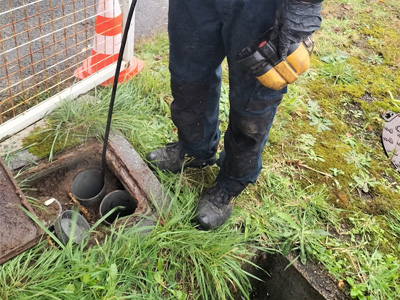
(15, 142)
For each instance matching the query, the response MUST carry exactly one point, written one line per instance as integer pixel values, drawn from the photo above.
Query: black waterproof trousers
(202, 34)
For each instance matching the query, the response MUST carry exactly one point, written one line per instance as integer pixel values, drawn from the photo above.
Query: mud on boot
(171, 158)
(214, 208)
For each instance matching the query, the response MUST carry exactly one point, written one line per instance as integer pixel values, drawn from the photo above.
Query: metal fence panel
(42, 42)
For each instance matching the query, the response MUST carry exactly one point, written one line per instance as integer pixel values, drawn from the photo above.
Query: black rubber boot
(214, 208)
(172, 158)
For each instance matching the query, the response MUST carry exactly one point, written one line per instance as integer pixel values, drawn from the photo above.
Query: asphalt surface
(151, 16)
(56, 46)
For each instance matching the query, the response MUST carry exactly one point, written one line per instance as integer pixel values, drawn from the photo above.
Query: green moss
(368, 94)
(379, 106)
(360, 77)
(43, 142)
(384, 40)
(319, 93)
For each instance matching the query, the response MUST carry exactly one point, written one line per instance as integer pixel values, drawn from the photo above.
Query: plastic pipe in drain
(71, 223)
(118, 198)
(89, 187)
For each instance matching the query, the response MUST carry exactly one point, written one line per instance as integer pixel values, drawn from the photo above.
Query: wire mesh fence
(42, 43)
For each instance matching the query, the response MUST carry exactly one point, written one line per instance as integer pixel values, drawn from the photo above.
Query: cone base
(134, 69)
(86, 70)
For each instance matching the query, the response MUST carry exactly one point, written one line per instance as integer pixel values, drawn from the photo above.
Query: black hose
(115, 84)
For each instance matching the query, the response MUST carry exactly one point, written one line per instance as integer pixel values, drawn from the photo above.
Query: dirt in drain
(55, 180)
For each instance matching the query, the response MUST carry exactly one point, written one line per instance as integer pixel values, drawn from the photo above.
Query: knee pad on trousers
(245, 139)
(188, 109)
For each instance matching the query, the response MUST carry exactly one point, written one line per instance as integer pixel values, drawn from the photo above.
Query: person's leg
(252, 110)
(196, 53)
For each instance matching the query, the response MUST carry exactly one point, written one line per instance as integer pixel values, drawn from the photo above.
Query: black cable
(114, 89)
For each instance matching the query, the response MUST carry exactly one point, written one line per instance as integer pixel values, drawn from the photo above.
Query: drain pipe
(114, 89)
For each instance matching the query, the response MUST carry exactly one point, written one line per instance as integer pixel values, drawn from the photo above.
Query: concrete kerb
(136, 177)
(13, 151)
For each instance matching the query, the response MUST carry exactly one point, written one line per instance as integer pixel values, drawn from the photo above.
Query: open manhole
(126, 171)
(55, 180)
(284, 278)
(50, 187)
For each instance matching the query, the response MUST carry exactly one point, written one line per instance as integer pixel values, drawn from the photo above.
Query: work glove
(295, 20)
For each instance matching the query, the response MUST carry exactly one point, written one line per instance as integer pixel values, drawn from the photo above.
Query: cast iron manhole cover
(17, 231)
(391, 137)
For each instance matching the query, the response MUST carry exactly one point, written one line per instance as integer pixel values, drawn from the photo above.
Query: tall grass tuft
(172, 260)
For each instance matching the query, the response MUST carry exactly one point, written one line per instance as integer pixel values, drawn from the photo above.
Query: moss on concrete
(45, 141)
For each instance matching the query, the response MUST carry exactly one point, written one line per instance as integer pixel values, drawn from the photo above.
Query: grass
(173, 260)
(327, 191)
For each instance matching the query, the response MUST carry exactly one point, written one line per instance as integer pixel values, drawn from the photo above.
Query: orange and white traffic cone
(107, 43)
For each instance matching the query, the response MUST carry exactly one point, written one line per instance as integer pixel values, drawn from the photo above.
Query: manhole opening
(56, 180)
(281, 279)
(48, 186)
